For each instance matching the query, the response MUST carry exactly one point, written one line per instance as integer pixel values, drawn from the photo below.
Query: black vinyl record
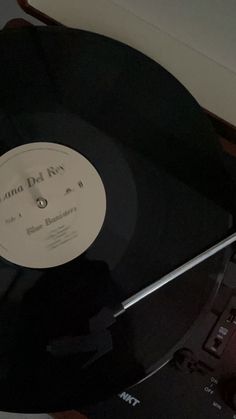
(168, 197)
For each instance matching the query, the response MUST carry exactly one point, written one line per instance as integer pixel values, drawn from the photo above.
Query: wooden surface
(36, 13)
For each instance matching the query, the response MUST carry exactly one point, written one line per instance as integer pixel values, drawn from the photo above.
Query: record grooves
(140, 189)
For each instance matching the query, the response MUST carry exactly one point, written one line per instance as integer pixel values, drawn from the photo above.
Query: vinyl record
(110, 177)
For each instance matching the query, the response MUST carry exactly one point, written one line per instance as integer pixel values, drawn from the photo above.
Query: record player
(129, 309)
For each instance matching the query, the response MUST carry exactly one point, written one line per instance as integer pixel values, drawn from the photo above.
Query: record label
(52, 205)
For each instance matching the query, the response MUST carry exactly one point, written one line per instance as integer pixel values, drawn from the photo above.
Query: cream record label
(52, 205)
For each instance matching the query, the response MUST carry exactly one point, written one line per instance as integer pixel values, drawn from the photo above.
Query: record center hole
(42, 202)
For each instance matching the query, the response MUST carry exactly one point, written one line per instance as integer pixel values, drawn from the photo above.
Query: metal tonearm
(140, 295)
